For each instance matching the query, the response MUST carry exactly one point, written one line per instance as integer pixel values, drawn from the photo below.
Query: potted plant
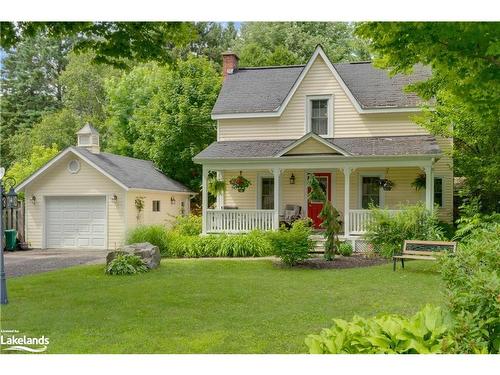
(216, 187)
(419, 182)
(240, 183)
(386, 184)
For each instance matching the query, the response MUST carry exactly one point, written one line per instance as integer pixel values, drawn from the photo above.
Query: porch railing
(359, 220)
(237, 221)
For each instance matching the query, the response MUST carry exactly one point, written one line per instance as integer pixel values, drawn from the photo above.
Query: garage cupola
(88, 137)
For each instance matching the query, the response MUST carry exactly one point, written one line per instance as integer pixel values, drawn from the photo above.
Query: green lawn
(207, 306)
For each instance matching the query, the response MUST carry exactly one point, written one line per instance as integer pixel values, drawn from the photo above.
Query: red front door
(314, 208)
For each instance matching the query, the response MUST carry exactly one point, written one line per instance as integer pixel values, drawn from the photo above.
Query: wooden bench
(423, 250)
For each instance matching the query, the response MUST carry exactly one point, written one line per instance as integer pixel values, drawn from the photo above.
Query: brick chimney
(229, 63)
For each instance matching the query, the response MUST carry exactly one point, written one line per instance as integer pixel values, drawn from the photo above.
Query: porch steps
(359, 245)
(319, 243)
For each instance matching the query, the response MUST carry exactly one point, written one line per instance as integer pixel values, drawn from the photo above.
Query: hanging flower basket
(240, 183)
(419, 182)
(216, 187)
(386, 184)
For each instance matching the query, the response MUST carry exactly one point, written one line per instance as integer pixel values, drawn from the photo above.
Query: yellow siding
(293, 194)
(165, 216)
(311, 146)
(291, 124)
(246, 199)
(57, 181)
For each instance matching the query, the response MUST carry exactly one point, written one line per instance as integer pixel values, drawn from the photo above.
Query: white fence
(236, 221)
(359, 219)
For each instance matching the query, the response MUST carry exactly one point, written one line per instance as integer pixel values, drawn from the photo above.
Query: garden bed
(340, 262)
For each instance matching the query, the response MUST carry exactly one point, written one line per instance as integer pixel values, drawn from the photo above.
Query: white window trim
(443, 179)
(360, 188)
(309, 99)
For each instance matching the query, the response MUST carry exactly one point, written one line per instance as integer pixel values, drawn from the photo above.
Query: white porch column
(277, 189)
(429, 187)
(204, 199)
(347, 190)
(220, 197)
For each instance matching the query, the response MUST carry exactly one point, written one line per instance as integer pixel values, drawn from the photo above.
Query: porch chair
(292, 213)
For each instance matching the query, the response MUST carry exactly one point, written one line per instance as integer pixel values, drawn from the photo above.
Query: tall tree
(83, 100)
(29, 85)
(84, 87)
(163, 114)
(24, 168)
(285, 43)
(465, 83)
(55, 129)
(113, 43)
(212, 39)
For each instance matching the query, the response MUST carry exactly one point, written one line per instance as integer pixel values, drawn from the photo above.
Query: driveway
(19, 263)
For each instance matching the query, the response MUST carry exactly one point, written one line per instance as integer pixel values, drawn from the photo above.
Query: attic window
(73, 166)
(320, 115)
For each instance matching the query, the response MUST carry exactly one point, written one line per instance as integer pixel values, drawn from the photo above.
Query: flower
(240, 183)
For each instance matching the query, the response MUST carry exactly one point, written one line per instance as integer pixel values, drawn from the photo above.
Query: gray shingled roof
(257, 90)
(359, 146)
(131, 172)
(254, 90)
(373, 88)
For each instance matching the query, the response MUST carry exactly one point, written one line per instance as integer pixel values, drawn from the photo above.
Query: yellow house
(350, 124)
(84, 198)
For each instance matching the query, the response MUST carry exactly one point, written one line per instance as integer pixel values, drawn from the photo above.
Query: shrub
(180, 246)
(472, 220)
(425, 332)
(188, 225)
(154, 234)
(293, 245)
(126, 264)
(472, 280)
(387, 232)
(447, 229)
(253, 244)
(345, 249)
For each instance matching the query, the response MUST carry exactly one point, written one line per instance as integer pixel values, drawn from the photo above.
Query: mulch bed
(340, 262)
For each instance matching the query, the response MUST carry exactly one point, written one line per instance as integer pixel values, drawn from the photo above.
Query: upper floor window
(319, 115)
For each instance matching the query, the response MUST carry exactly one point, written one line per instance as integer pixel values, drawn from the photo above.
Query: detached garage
(87, 199)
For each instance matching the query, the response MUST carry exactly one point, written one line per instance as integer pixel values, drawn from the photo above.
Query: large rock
(149, 253)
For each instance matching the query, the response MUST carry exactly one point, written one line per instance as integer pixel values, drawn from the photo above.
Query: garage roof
(130, 173)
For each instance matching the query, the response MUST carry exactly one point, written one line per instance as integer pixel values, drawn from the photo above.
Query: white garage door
(76, 222)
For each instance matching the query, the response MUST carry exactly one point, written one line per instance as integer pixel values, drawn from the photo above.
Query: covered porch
(353, 171)
(275, 189)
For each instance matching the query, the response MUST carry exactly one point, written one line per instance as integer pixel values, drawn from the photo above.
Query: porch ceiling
(417, 145)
